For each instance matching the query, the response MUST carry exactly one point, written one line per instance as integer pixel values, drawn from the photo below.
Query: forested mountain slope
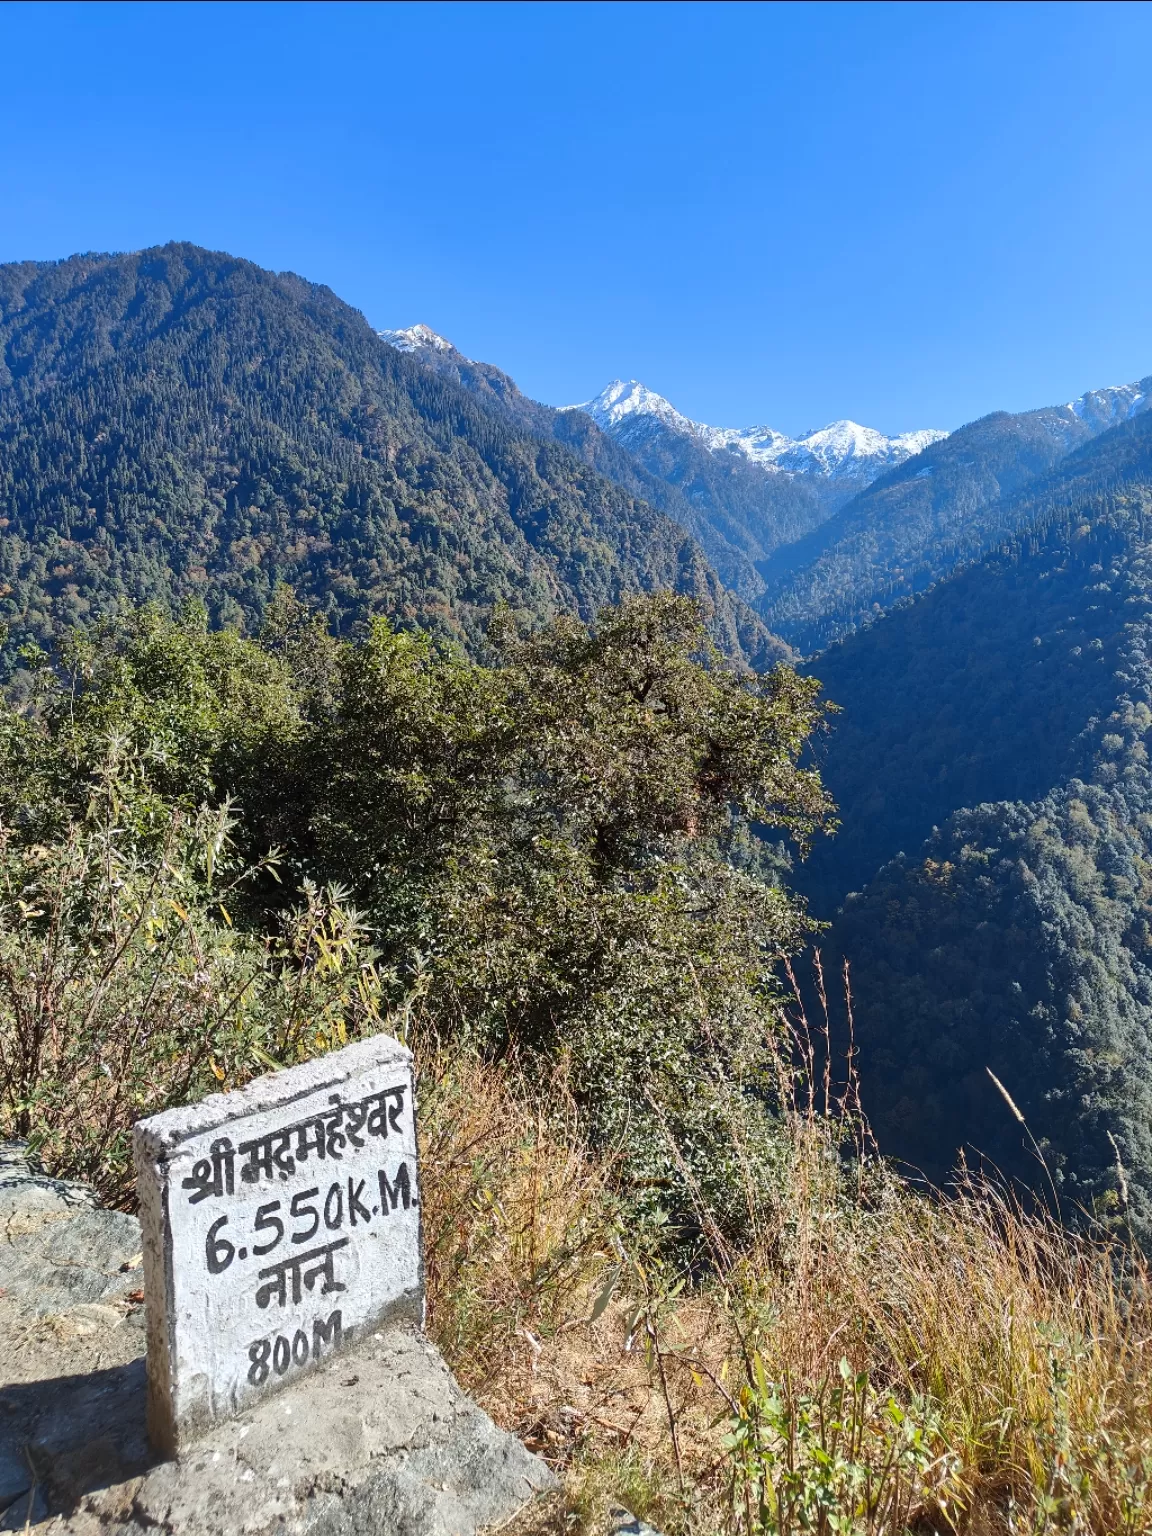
(177, 423)
(739, 513)
(1009, 707)
(949, 504)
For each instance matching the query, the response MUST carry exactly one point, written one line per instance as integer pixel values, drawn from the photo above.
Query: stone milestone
(376, 1439)
(280, 1221)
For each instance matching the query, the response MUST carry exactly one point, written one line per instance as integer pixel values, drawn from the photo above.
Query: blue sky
(907, 214)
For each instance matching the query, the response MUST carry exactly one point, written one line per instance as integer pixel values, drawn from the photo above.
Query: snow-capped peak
(1104, 408)
(847, 449)
(629, 398)
(842, 450)
(416, 338)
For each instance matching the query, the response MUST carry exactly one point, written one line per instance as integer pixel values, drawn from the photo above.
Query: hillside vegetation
(1009, 709)
(346, 693)
(737, 512)
(741, 509)
(916, 525)
(177, 423)
(659, 1245)
(552, 853)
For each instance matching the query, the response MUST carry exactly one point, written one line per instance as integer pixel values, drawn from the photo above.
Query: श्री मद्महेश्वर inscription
(279, 1222)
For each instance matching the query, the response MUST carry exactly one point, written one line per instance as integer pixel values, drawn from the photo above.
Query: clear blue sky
(908, 214)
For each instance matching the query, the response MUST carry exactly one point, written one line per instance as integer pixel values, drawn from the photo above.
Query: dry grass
(1022, 1354)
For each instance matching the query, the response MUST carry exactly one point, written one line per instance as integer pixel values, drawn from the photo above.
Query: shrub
(125, 986)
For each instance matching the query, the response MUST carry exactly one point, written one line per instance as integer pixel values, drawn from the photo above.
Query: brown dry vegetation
(1019, 1354)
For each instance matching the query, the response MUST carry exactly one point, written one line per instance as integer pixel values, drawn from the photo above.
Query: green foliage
(978, 692)
(992, 772)
(554, 852)
(1078, 1478)
(1017, 945)
(199, 703)
(126, 987)
(847, 1461)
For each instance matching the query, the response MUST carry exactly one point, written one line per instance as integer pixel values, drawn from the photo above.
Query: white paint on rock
(280, 1222)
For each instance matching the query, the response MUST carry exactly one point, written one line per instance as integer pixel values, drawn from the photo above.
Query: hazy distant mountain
(923, 519)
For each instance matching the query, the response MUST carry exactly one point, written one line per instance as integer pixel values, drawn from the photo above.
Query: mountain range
(925, 519)
(177, 424)
(844, 453)
(896, 513)
(823, 533)
(991, 886)
(738, 513)
(841, 457)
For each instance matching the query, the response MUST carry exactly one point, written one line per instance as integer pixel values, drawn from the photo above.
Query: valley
(977, 605)
(179, 427)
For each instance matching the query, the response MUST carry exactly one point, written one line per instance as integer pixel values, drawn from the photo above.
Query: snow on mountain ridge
(1103, 408)
(841, 450)
(415, 339)
(622, 399)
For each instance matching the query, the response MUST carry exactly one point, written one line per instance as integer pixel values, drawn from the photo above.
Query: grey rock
(26, 1512)
(15, 1476)
(378, 1441)
(622, 1522)
(57, 1248)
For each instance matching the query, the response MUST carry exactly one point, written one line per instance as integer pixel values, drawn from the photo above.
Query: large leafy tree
(562, 853)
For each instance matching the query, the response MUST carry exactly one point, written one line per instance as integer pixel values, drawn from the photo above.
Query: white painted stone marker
(280, 1221)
